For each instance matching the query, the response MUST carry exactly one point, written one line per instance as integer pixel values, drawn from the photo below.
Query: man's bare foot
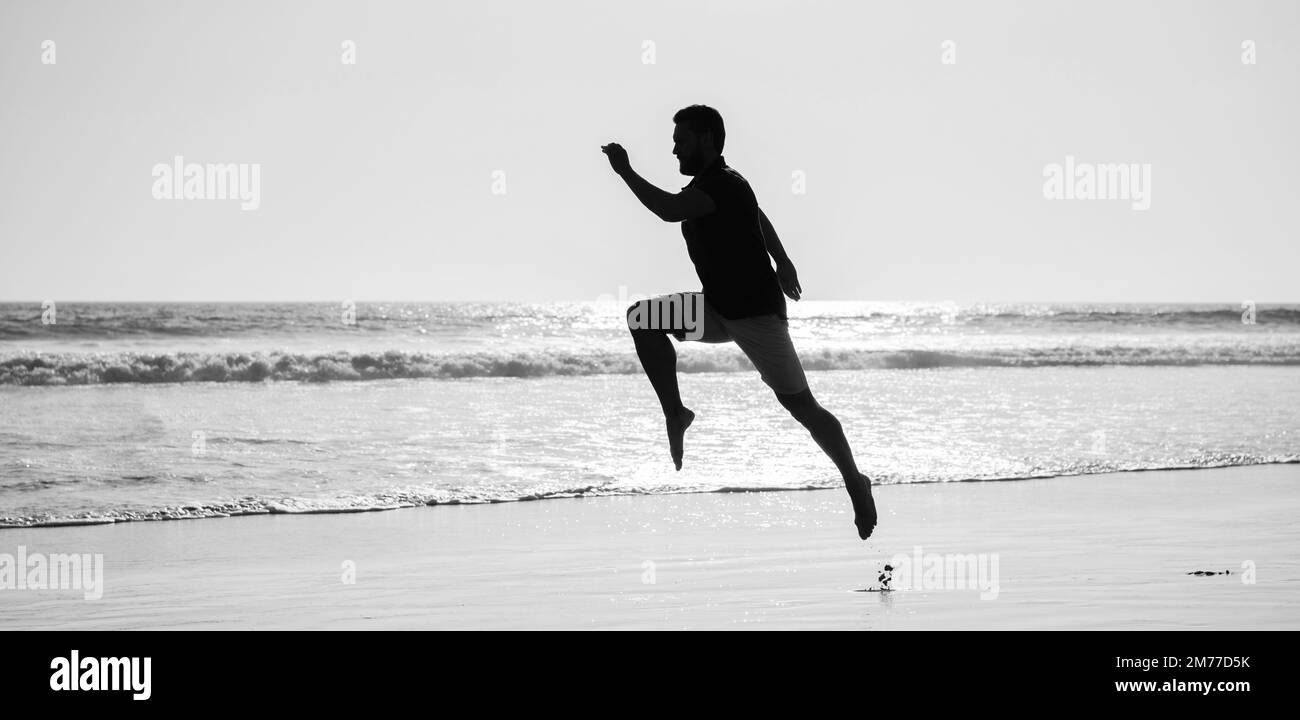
(864, 506)
(677, 431)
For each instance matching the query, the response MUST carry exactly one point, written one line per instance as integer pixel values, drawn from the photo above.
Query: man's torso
(727, 247)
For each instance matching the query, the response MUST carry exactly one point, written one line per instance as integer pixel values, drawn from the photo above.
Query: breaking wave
(130, 367)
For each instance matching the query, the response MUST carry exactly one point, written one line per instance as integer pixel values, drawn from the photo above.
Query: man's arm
(771, 241)
(685, 205)
(785, 272)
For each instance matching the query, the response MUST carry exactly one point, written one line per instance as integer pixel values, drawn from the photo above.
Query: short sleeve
(717, 186)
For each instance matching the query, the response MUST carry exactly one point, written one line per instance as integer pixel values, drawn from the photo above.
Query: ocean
(113, 412)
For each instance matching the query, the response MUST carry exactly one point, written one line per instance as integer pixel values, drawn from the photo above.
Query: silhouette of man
(728, 239)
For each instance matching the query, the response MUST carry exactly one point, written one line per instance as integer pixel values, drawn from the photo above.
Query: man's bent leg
(659, 360)
(651, 321)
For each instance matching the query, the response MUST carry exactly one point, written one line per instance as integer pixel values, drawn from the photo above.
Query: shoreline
(1082, 552)
(92, 521)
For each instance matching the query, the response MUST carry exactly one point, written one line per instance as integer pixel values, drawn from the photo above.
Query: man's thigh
(765, 340)
(684, 315)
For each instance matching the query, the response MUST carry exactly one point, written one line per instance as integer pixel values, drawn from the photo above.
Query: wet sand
(1090, 552)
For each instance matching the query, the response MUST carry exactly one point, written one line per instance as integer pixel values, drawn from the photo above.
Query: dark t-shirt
(727, 247)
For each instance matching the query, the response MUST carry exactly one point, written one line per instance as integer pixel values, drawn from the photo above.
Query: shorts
(765, 339)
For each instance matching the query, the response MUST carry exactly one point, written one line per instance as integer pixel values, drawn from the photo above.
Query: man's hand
(617, 157)
(789, 280)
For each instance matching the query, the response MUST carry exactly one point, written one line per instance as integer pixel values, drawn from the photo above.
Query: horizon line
(1235, 303)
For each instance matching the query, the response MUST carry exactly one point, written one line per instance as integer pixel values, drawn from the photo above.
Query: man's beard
(689, 166)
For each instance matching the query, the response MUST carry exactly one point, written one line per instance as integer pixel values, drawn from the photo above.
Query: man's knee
(797, 403)
(641, 320)
(637, 317)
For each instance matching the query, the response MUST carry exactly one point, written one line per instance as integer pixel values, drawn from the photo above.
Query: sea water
(113, 412)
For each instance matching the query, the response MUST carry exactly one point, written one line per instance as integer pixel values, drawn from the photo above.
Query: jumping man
(729, 239)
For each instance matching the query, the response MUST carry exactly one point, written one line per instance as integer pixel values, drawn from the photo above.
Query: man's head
(698, 137)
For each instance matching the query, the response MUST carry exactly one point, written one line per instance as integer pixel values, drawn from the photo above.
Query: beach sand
(1090, 552)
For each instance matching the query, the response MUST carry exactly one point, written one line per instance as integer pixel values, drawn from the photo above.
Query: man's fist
(617, 157)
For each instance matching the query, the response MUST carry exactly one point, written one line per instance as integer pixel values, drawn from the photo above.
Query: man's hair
(703, 119)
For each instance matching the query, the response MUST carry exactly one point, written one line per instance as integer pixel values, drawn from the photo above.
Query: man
(728, 238)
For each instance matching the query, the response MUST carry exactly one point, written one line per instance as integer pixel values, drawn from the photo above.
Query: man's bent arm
(686, 205)
(771, 241)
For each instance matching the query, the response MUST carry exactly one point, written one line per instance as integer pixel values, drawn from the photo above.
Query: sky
(898, 148)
